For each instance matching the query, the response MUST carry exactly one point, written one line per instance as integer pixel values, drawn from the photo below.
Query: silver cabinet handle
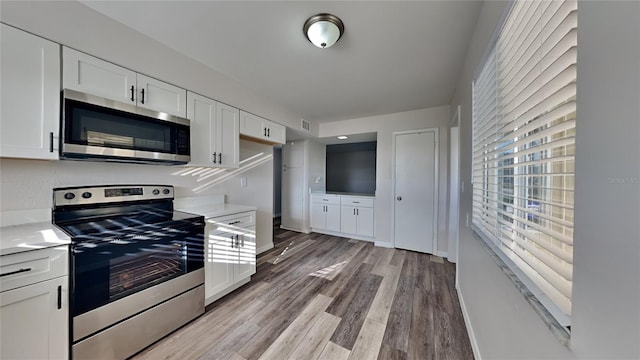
(232, 240)
(399, 198)
(214, 157)
(354, 211)
(220, 158)
(51, 142)
(358, 212)
(242, 240)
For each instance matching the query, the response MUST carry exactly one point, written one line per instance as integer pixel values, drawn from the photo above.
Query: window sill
(559, 331)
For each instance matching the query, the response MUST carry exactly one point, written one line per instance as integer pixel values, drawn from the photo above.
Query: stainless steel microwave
(95, 128)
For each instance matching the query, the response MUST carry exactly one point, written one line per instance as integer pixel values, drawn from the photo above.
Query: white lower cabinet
(325, 212)
(34, 313)
(357, 215)
(339, 215)
(357, 220)
(230, 257)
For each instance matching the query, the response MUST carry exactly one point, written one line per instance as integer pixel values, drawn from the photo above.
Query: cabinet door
(348, 220)
(159, 96)
(91, 75)
(247, 253)
(318, 216)
(365, 221)
(228, 136)
(29, 95)
(35, 321)
(251, 125)
(201, 111)
(220, 261)
(276, 133)
(333, 218)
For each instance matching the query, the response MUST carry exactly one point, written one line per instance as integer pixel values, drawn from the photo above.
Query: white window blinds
(524, 118)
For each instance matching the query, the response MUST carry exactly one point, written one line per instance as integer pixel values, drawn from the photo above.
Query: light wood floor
(322, 297)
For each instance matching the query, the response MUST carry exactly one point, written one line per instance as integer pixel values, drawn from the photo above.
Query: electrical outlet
(467, 219)
(243, 181)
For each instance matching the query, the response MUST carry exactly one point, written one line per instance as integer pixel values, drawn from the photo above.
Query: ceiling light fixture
(342, 137)
(323, 30)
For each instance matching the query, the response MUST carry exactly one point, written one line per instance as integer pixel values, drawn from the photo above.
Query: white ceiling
(394, 55)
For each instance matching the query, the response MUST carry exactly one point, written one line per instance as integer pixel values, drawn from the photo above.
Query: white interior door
(415, 191)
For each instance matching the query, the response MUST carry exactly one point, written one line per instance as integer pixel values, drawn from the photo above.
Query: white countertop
(214, 210)
(25, 237)
(209, 206)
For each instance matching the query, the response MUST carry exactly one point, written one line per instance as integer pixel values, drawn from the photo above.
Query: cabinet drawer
(325, 199)
(241, 220)
(357, 201)
(30, 267)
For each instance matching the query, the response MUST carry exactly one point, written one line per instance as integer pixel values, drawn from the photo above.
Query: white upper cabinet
(261, 129)
(91, 75)
(215, 140)
(29, 95)
(157, 95)
(228, 135)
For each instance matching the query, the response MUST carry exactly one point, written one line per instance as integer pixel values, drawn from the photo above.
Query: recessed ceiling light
(342, 137)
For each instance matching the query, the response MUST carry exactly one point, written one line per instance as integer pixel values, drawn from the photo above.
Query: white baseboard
(383, 244)
(264, 248)
(344, 235)
(442, 254)
(467, 322)
(304, 231)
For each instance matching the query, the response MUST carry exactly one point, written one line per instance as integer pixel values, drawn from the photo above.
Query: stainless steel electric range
(137, 266)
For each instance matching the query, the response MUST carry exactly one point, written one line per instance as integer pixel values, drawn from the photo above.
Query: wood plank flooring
(316, 296)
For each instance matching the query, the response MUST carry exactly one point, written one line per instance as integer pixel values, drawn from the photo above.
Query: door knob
(399, 198)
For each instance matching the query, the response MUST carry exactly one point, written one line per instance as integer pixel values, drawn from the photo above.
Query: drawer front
(357, 201)
(29, 267)
(240, 220)
(325, 199)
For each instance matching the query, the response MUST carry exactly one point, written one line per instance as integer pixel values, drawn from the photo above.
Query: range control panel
(109, 194)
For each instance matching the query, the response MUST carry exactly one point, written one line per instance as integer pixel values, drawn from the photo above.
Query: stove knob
(86, 195)
(156, 191)
(165, 191)
(69, 196)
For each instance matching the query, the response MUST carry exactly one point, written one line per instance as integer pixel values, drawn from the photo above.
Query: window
(524, 119)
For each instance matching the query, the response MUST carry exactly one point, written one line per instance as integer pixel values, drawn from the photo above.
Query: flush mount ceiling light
(323, 30)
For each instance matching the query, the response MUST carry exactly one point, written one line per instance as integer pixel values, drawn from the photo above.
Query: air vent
(305, 125)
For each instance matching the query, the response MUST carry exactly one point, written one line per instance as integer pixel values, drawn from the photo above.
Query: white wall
(606, 288)
(606, 293)
(385, 125)
(75, 25)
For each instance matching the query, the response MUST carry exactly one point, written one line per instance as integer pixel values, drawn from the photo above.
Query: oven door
(108, 267)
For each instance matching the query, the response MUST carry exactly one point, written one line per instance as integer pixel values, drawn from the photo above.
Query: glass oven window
(111, 265)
